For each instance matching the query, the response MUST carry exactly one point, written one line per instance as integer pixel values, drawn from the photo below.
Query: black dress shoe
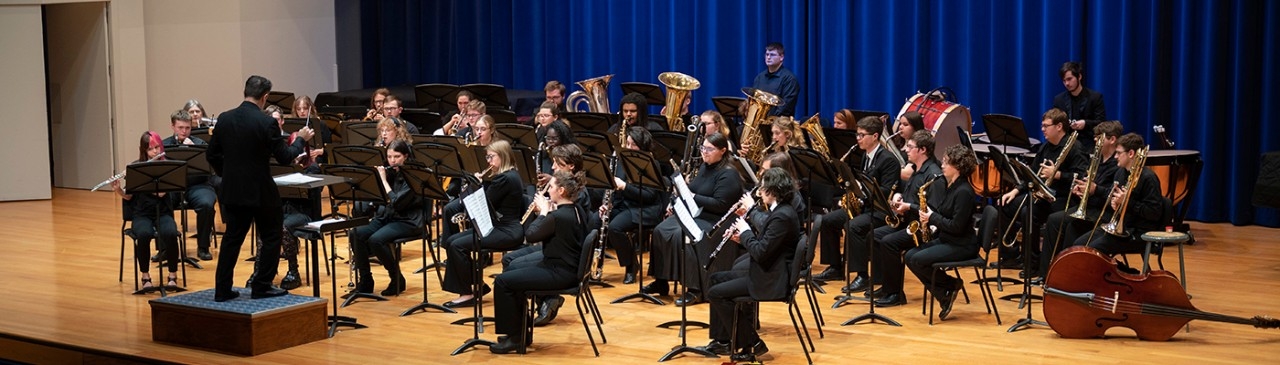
(630, 277)
(268, 292)
(859, 284)
(465, 303)
(291, 280)
(505, 345)
(204, 255)
(717, 347)
(548, 310)
(831, 273)
(226, 296)
(657, 287)
(879, 292)
(945, 300)
(749, 354)
(891, 300)
(689, 298)
(396, 286)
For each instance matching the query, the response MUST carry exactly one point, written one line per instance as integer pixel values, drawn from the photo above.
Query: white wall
(24, 145)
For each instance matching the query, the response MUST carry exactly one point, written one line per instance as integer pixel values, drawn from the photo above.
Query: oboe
(119, 176)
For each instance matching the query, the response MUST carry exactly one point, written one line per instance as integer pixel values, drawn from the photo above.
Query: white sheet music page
(295, 179)
(477, 205)
(685, 195)
(316, 225)
(751, 173)
(686, 220)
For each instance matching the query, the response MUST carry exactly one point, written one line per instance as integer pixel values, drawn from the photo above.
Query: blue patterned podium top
(241, 305)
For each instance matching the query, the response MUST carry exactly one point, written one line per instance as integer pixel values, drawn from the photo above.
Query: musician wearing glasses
(632, 206)
(1061, 231)
(152, 217)
(777, 80)
(558, 134)
(375, 104)
(880, 166)
(1016, 202)
(715, 189)
(459, 125)
(200, 195)
(391, 108)
(1084, 106)
(401, 217)
(1145, 210)
(554, 93)
(635, 112)
(762, 274)
(392, 129)
(951, 202)
(546, 114)
(892, 241)
(503, 189)
(562, 226)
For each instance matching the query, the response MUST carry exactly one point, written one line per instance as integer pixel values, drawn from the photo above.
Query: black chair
(987, 227)
(126, 230)
(806, 274)
(793, 310)
(580, 292)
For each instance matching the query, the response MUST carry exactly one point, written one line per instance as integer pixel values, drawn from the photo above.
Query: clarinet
(604, 225)
(728, 233)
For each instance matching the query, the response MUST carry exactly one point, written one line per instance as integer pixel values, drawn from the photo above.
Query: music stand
(294, 124)
(299, 190)
(1031, 182)
(1006, 130)
(642, 169)
(426, 184)
(878, 202)
(669, 145)
(155, 177)
(436, 97)
(363, 185)
(194, 155)
(491, 94)
(445, 160)
(477, 273)
(595, 142)
(684, 321)
(595, 122)
(522, 157)
(360, 133)
(357, 155)
(518, 134)
(728, 106)
(815, 168)
(842, 141)
(652, 93)
(202, 133)
(282, 99)
(598, 174)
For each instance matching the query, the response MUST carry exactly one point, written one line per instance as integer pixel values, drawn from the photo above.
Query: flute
(119, 176)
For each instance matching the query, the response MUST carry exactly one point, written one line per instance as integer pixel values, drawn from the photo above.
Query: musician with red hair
(152, 216)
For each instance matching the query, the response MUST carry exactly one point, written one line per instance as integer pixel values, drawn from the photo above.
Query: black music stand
(815, 168)
(1028, 180)
(518, 134)
(425, 182)
(651, 92)
(1007, 176)
(289, 190)
(360, 133)
(357, 155)
(878, 202)
(728, 106)
(477, 283)
(641, 168)
(294, 124)
(842, 142)
(436, 97)
(363, 185)
(282, 99)
(155, 177)
(1006, 130)
(595, 122)
(684, 321)
(194, 155)
(523, 159)
(595, 142)
(598, 175)
(668, 145)
(446, 161)
(492, 94)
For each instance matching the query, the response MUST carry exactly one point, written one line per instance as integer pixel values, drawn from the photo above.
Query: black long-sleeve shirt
(562, 231)
(1076, 163)
(404, 205)
(715, 189)
(952, 211)
(1087, 106)
(1146, 204)
(782, 83)
(506, 197)
(1104, 179)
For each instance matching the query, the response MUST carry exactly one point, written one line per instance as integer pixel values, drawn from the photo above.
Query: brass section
(595, 93)
(678, 88)
(759, 103)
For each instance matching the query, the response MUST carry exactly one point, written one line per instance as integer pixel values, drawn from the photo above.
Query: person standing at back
(246, 138)
(778, 80)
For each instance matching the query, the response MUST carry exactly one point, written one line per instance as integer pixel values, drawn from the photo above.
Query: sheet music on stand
(295, 179)
(744, 167)
(477, 205)
(686, 219)
(685, 195)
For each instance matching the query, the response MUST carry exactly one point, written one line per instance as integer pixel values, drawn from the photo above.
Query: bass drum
(940, 117)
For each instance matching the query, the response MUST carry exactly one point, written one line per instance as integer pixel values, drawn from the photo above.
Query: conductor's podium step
(240, 326)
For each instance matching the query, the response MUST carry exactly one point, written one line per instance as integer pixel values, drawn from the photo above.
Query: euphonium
(916, 229)
(758, 105)
(595, 93)
(678, 88)
(817, 138)
(1088, 175)
(1116, 226)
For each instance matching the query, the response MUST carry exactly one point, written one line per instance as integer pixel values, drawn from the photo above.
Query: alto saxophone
(916, 228)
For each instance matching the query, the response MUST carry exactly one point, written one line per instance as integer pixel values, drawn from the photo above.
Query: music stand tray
(652, 93)
(491, 94)
(518, 134)
(595, 122)
(1006, 130)
(356, 155)
(671, 145)
(436, 97)
(728, 105)
(424, 182)
(595, 142)
(360, 133)
(642, 169)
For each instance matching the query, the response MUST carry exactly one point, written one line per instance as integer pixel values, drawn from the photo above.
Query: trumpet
(119, 176)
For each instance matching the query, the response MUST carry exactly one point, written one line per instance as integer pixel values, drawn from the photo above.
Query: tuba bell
(817, 138)
(595, 93)
(678, 88)
(758, 105)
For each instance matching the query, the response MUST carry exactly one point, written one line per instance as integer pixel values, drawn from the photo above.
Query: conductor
(239, 153)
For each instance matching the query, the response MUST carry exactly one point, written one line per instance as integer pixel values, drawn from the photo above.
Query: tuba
(595, 93)
(817, 139)
(1116, 226)
(678, 88)
(758, 105)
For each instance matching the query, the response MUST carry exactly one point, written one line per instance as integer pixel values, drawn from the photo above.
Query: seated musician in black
(152, 217)
(504, 193)
(632, 206)
(562, 230)
(1062, 231)
(715, 189)
(484, 136)
(1145, 210)
(635, 112)
(950, 209)
(892, 241)
(201, 194)
(402, 217)
(1015, 203)
(557, 134)
(762, 274)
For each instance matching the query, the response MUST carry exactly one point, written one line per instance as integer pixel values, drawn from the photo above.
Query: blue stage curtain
(1197, 67)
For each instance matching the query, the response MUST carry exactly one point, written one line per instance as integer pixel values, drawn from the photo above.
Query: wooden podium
(240, 326)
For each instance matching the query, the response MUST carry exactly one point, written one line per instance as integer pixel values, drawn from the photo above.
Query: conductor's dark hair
(401, 146)
(644, 140)
(718, 140)
(256, 87)
(778, 182)
(1074, 67)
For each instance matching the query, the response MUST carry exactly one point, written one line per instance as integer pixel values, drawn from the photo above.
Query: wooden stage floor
(60, 255)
